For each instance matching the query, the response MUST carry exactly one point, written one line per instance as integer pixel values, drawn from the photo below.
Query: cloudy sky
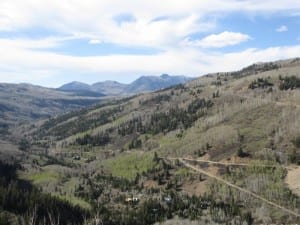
(51, 42)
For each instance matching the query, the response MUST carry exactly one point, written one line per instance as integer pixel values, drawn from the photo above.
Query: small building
(132, 200)
(168, 199)
(77, 157)
(135, 199)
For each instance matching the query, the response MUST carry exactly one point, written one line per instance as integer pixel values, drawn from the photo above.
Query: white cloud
(20, 64)
(95, 22)
(223, 39)
(94, 41)
(44, 43)
(282, 28)
(97, 18)
(158, 33)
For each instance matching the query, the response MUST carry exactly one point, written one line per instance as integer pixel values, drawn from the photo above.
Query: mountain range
(27, 102)
(114, 88)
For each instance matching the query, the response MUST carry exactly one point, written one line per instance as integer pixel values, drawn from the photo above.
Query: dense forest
(33, 207)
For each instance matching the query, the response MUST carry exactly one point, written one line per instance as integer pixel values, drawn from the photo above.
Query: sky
(52, 42)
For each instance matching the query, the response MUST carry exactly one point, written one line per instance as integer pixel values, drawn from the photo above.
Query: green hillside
(98, 157)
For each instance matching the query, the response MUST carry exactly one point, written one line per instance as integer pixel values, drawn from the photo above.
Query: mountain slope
(25, 102)
(109, 88)
(243, 126)
(151, 83)
(75, 85)
(80, 89)
(213, 104)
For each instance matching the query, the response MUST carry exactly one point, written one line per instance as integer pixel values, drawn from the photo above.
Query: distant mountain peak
(77, 82)
(74, 85)
(152, 83)
(165, 76)
(109, 82)
(80, 89)
(114, 88)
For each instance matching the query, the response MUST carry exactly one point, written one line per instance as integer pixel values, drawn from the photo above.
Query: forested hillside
(130, 161)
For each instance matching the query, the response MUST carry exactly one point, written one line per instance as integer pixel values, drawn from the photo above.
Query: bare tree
(33, 216)
(53, 220)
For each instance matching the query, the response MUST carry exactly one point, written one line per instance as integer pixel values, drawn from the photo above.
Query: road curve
(230, 164)
(182, 160)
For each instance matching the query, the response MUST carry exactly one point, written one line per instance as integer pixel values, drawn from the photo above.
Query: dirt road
(228, 163)
(195, 168)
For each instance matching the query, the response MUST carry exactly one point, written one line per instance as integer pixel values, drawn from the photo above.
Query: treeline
(94, 140)
(77, 113)
(178, 118)
(27, 203)
(254, 69)
(167, 121)
(289, 82)
(81, 124)
(286, 83)
(197, 104)
(131, 126)
(135, 143)
(173, 119)
(260, 83)
(156, 100)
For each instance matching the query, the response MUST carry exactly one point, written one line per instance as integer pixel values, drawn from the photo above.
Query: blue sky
(51, 42)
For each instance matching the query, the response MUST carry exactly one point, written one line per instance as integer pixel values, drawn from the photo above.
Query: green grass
(184, 172)
(74, 201)
(44, 177)
(121, 119)
(167, 140)
(129, 165)
(48, 176)
(70, 184)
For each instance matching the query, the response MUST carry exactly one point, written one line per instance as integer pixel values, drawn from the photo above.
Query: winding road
(197, 169)
(226, 163)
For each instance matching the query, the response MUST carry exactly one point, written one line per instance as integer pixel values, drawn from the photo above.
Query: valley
(21, 103)
(214, 150)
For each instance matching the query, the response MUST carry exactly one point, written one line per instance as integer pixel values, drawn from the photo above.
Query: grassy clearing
(183, 172)
(69, 185)
(50, 178)
(129, 165)
(74, 201)
(44, 177)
